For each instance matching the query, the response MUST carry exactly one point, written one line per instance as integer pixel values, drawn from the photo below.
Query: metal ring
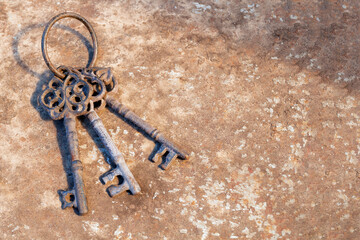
(46, 33)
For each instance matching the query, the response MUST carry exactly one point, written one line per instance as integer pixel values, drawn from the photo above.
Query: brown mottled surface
(264, 94)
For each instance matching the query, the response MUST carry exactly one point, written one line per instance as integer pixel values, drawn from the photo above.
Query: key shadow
(44, 79)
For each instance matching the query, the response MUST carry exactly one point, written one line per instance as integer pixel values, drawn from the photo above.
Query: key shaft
(114, 153)
(143, 126)
(76, 169)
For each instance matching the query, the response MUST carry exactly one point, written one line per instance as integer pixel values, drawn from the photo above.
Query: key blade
(109, 176)
(171, 146)
(168, 160)
(159, 153)
(64, 203)
(114, 190)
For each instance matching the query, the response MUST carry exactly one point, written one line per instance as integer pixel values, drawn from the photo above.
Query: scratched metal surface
(265, 96)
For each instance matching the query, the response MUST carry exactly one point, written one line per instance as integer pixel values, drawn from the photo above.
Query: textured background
(265, 96)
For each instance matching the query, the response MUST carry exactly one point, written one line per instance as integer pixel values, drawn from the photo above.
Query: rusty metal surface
(264, 95)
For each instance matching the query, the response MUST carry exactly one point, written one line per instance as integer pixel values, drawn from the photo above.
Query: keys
(74, 92)
(121, 168)
(80, 92)
(164, 148)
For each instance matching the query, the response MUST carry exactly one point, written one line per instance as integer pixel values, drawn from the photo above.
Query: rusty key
(65, 98)
(77, 192)
(121, 169)
(166, 148)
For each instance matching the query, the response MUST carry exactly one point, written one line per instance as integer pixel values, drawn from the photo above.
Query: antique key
(76, 169)
(165, 148)
(65, 98)
(73, 92)
(121, 169)
(107, 84)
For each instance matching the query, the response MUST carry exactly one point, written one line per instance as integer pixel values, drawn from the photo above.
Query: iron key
(121, 168)
(77, 192)
(166, 148)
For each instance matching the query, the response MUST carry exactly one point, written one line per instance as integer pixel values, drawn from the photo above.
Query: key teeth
(108, 176)
(114, 190)
(64, 203)
(168, 160)
(156, 157)
(159, 153)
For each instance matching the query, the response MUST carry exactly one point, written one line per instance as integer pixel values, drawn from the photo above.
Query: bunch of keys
(74, 92)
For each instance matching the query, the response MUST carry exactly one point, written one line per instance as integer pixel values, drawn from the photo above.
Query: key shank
(121, 168)
(78, 191)
(143, 126)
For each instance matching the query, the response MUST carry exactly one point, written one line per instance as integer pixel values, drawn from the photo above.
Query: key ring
(46, 33)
